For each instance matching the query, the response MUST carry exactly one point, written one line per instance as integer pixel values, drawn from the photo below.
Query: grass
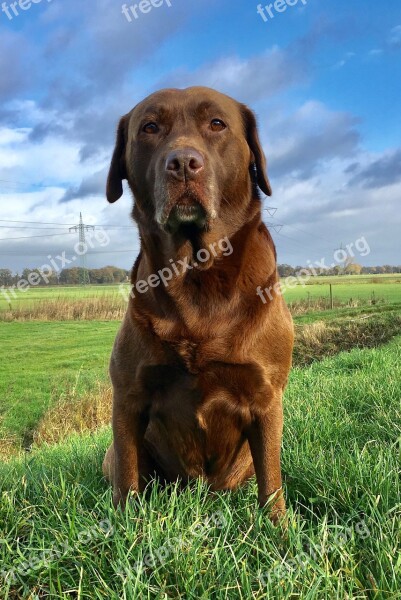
(81, 413)
(341, 468)
(105, 302)
(43, 363)
(60, 368)
(362, 279)
(34, 295)
(347, 312)
(101, 307)
(346, 293)
(322, 338)
(340, 461)
(113, 307)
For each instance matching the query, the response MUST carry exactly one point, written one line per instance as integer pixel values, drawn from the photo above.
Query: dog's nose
(184, 163)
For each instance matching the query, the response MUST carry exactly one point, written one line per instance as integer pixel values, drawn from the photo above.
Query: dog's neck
(228, 280)
(160, 249)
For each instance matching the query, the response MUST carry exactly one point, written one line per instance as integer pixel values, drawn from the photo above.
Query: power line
(311, 233)
(30, 237)
(34, 222)
(272, 212)
(299, 242)
(115, 227)
(64, 225)
(29, 227)
(30, 184)
(46, 252)
(276, 227)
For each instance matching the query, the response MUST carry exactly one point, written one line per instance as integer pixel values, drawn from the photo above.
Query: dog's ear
(258, 165)
(118, 170)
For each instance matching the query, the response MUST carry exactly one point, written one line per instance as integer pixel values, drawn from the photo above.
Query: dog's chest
(189, 352)
(190, 434)
(197, 420)
(196, 355)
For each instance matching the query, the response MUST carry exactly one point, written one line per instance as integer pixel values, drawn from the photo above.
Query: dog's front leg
(130, 456)
(264, 437)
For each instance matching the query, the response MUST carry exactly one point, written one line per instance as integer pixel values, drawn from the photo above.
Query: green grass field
(348, 287)
(41, 294)
(386, 287)
(43, 362)
(62, 539)
(345, 292)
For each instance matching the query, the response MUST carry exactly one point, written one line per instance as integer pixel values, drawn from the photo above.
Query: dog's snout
(186, 162)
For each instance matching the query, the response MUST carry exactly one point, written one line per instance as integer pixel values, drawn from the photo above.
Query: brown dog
(200, 363)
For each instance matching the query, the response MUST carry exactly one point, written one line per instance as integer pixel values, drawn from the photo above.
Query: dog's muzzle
(186, 212)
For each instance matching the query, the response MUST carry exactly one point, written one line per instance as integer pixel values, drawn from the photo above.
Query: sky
(323, 77)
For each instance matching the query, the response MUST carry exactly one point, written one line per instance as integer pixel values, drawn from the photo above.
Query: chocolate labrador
(200, 363)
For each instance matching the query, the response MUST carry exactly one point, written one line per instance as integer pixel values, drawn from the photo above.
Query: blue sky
(324, 78)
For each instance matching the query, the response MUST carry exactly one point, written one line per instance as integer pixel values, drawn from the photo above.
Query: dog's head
(191, 157)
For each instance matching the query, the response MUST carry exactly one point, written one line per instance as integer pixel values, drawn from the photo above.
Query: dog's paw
(275, 506)
(278, 514)
(120, 499)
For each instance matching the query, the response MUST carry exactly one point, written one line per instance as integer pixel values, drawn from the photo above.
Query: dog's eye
(217, 125)
(150, 128)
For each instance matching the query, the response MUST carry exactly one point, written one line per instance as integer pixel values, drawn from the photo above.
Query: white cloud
(346, 59)
(300, 143)
(395, 36)
(251, 79)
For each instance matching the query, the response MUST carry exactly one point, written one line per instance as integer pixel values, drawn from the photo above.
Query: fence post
(331, 297)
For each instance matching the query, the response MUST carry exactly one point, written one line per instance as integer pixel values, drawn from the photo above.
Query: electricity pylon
(81, 229)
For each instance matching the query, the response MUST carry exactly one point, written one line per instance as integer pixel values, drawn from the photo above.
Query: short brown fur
(198, 367)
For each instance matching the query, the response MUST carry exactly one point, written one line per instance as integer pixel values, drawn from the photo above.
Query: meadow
(61, 538)
(43, 363)
(346, 290)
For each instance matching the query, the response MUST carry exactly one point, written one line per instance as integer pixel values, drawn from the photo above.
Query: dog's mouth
(187, 214)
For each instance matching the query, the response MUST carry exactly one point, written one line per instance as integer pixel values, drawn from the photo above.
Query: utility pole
(81, 229)
(346, 259)
(271, 212)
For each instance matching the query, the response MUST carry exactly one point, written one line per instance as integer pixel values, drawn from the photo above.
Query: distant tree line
(116, 275)
(348, 269)
(65, 277)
